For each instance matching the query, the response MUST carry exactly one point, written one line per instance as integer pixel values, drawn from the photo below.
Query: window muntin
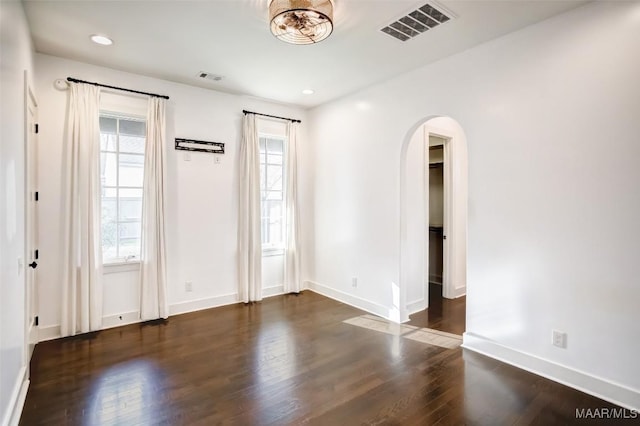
(122, 141)
(272, 191)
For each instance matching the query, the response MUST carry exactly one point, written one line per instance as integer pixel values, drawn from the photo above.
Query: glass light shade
(301, 21)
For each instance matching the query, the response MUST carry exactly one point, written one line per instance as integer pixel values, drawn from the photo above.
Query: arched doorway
(417, 212)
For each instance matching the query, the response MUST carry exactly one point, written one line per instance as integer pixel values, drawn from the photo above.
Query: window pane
(109, 193)
(274, 210)
(108, 142)
(109, 209)
(274, 178)
(274, 158)
(130, 204)
(265, 230)
(109, 252)
(131, 170)
(275, 232)
(131, 192)
(132, 128)
(129, 230)
(273, 195)
(130, 247)
(109, 226)
(271, 186)
(132, 144)
(108, 125)
(274, 145)
(122, 170)
(129, 239)
(108, 169)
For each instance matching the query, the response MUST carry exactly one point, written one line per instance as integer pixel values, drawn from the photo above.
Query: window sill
(116, 267)
(268, 252)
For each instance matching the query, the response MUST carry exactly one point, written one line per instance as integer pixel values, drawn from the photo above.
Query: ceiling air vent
(209, 76)
(416, 22)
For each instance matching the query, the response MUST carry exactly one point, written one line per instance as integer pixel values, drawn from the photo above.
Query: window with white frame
(272, 192)
(122, 140)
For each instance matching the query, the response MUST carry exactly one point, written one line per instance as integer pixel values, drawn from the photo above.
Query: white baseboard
(200, 304)
(459, 292)
(17, 399)
(601, 388)
(416, 306)
(349, 299)
(117, 320)
(273, 291)
(53, 331)
(49, 332)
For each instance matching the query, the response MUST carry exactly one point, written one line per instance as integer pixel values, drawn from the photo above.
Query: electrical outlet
(187, 156)
(559, 339)
(217, 159)
(188, 286)
(354, 282)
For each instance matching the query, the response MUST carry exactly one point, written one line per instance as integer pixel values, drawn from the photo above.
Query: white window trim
(268, 251)
(127, 263)
(115, 267)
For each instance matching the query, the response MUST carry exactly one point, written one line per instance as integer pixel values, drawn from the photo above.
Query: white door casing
(31, 220)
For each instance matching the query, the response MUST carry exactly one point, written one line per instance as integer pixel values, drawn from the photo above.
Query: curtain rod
(293, 120)
(75, 80)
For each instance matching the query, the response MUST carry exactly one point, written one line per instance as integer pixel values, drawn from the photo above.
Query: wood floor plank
(287, 360)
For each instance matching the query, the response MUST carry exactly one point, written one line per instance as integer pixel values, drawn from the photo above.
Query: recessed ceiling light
(308, 92)
(100, 39)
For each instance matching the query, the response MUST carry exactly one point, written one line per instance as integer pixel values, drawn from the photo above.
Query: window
(122, 142)
(272, 192)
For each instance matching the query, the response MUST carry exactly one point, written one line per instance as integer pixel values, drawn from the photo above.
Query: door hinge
(37, 320)
(36, 195)
(36, 254)
(37, 128)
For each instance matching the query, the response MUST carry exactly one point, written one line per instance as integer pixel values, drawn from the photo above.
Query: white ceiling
(175, 40)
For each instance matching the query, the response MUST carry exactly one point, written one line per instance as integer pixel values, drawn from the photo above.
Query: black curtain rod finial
(293, 120)
(155, 95)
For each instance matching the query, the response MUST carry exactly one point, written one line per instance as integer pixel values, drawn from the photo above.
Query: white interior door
(31, 153)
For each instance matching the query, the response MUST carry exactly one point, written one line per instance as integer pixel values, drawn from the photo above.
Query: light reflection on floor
(127, 393)
(275, 362)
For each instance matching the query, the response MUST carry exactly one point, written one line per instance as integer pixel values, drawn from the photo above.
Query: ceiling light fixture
(308, 92)
(100, 39)
(301, 21)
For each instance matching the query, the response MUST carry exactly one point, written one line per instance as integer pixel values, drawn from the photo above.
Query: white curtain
(81, 194)
(292, 237)
(249, 214)
(153, 276)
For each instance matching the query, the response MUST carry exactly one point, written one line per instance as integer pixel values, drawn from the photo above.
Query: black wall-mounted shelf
(199, 146)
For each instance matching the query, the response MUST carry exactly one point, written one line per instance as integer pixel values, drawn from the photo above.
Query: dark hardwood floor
(287, 360)
(443, 314)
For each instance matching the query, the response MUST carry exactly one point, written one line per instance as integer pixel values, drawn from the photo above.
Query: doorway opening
(434, 225)
(436, 235)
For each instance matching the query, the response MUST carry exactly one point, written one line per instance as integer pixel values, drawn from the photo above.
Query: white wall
(202, 202)
(415, 229)
(553, 243)
(16, 56)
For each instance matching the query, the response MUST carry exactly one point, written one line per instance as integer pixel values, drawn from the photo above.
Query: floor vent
(417, 22)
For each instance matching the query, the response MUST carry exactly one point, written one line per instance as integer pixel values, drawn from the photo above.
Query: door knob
(34, 265)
